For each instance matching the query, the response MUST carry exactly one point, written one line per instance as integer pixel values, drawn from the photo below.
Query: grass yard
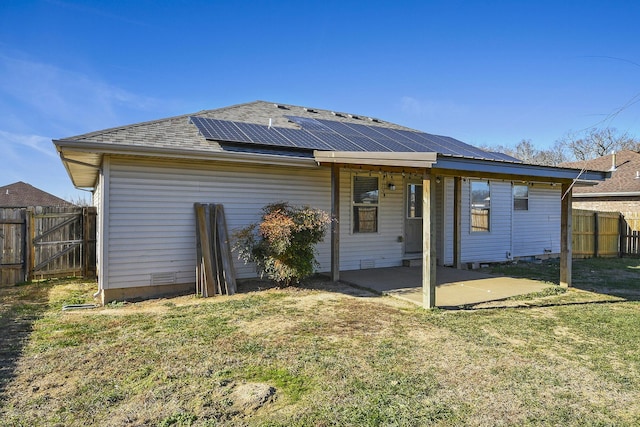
(324, 354)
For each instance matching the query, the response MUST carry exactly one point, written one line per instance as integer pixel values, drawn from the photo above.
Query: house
(619, 193)
(398, 193)
(21, 195)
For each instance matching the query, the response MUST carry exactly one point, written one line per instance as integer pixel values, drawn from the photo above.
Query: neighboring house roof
(624, 180)
(283, 133)
(20, 195)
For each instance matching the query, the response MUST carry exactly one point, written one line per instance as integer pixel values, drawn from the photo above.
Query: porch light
(392, 186)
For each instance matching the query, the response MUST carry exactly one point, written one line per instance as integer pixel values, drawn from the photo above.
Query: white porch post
(566, 231)
(428, 242)
(335, 223)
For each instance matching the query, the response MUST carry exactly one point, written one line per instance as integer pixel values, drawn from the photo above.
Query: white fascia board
(470, 165)
(377, 158)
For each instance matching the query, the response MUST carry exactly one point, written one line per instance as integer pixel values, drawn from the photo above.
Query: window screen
(480, 206)
(365, 204)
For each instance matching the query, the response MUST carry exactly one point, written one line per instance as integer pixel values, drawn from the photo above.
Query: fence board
(595, 234)
(630, 233)
(12, 248)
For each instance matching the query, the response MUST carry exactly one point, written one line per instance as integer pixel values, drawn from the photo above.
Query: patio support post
(457, 221)
(428, 242)
(335, 222)
(566, 231)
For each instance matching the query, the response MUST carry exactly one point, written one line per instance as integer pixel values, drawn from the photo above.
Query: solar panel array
(319, 134)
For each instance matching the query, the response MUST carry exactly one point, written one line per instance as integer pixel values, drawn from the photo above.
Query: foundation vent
(163, 278)
(367, 263)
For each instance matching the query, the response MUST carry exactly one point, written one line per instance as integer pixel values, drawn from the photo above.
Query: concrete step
(412, 262)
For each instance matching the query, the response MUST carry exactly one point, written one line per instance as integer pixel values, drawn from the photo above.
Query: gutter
(106, 148)
(611, 194)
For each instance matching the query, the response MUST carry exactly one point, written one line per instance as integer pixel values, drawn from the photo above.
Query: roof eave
(521, 170)
(368, 158)
(81, 150)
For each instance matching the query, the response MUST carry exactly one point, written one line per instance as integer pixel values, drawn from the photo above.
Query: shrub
(282, 244)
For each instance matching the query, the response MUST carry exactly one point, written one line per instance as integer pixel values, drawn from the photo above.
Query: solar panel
(303, 139)
(405, 140)
(222, 130)
(261, 134)
(337, 142)
(337, 127)
(319, 134)
(370, 132)
(307, 123)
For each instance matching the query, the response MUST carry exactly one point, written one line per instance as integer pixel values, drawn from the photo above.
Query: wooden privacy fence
(630, 233)
(44, 242)
(605, 234)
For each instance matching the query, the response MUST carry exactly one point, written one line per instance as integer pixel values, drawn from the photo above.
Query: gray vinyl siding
(381, 249)
(538, 229)
(491, 246)
(151, 220)
(448, 220)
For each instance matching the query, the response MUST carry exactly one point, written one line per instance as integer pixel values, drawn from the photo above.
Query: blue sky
(483, 72)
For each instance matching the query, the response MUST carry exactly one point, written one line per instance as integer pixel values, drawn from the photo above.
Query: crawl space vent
(367, 263)
(163, 278)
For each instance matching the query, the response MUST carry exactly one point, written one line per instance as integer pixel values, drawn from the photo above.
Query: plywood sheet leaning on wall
(214, 266)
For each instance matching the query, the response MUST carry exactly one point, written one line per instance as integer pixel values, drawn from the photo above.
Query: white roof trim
(378, 158)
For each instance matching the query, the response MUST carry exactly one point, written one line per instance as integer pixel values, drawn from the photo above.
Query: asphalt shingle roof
(179, 133)
(21, 195)
(623, 179)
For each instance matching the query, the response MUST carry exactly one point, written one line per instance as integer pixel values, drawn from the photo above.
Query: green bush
(282, 244)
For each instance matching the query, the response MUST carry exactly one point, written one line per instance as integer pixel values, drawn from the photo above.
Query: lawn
(323, 354)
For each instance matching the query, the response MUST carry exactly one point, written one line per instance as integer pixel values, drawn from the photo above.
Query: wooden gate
(44, 242)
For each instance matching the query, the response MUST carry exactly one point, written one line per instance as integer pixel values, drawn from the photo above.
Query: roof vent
(310, 110)
(337, 114)
(613, 162)
(353, 116)
(280, 106)
(374, 120)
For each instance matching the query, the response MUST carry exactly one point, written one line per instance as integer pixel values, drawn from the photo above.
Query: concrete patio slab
(454, 288)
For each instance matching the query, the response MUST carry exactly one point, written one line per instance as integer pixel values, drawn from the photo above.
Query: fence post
(596, 234)
(621, 233)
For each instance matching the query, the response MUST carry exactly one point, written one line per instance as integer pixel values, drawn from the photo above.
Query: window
(520, 197)
(414, 201)
(365, 204)
(480, 206)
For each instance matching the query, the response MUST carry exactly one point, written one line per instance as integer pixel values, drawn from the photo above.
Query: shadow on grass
(616, 277)
(317, 282)
(20, 306)
(533, 304)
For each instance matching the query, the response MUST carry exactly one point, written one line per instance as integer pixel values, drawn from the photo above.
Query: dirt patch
(249, 397)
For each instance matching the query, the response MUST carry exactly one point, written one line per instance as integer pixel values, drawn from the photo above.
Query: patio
(454, 288)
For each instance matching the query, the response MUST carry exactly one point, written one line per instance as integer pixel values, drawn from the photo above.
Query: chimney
(613, 162)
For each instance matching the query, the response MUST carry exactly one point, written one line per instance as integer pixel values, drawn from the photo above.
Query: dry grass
(335, 355)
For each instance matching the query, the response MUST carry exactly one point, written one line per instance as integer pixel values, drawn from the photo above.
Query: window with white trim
(365, 204)
(480, 206)
(520, 197)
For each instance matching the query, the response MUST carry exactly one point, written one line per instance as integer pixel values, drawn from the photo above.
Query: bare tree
(528, 153)
(598, 142)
